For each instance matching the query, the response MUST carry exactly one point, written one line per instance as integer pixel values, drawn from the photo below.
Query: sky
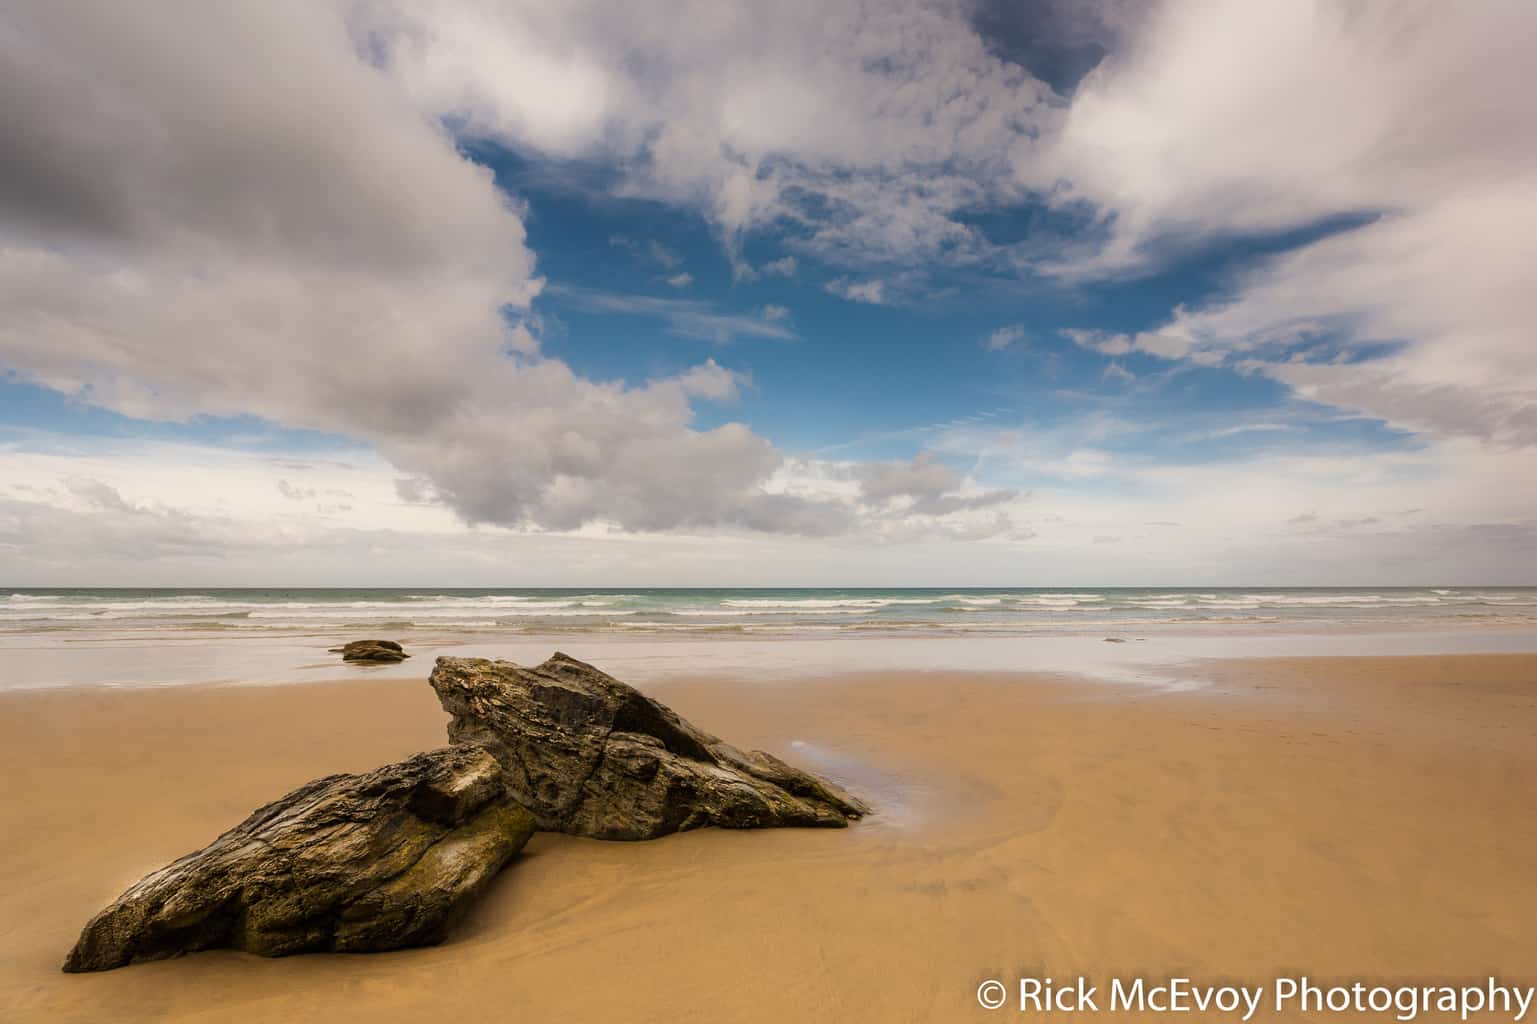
(942, 292)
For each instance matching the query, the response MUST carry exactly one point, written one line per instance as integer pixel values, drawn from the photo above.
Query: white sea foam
(813, 604)
(720, 612)
(138, 613)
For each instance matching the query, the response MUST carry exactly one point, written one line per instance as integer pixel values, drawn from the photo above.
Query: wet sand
(1348, 818)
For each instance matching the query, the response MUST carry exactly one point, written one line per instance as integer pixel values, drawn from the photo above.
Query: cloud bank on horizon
(946, 291)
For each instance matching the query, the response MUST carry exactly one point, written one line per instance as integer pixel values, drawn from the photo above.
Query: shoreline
(1153, 657)
(1351, 817)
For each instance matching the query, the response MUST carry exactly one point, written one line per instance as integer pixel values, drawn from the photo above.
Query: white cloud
(1448, 283)
(190, 233)
(925, 486)
(186, 514)
(183, 232)
(650, 251)
(1115, 371)
(785, 266)
(137, 514)
(294, 493)
(681, 280)
(872, 291)
(869, 124)
(1225, 117)
(690, 318)
(1172, 342)
(1004, 337)
(662, 255)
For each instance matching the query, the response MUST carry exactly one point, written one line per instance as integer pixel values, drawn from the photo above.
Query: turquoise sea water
(752, 611)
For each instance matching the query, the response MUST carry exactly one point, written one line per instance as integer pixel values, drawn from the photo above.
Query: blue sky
(875, 381)
(1048, 293)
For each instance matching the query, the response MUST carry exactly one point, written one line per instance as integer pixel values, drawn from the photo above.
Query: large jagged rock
(371, 650)
(349, 863)
(592, 756)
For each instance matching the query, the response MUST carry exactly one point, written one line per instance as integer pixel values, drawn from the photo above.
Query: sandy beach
(1345, 818)
(710, 512)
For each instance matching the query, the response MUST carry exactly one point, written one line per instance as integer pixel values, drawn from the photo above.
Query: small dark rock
(371, 650)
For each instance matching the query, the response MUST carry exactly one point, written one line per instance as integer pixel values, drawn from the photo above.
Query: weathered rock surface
(348, 863)
(592, 756)
(371, 650)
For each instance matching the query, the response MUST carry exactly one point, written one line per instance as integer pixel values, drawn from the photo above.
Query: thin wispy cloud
(690, 318)
(1005, 337)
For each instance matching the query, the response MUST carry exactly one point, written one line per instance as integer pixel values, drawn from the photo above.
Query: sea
(920, 611)
(1145, 636)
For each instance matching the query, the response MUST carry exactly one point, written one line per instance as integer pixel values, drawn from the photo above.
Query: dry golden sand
(1347, 818)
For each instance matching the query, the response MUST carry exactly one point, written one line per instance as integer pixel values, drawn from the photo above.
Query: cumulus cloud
(1365, 107)
(276, 219)
(201, 514)
(208, 223)
(415, 491)
(264, 224)
(1448, 285)
(1223, 118)
(869, 126)
(867, 132)
(924, 486)
(142, 514)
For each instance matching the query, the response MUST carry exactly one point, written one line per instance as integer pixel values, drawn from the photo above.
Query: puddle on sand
(897, 802)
